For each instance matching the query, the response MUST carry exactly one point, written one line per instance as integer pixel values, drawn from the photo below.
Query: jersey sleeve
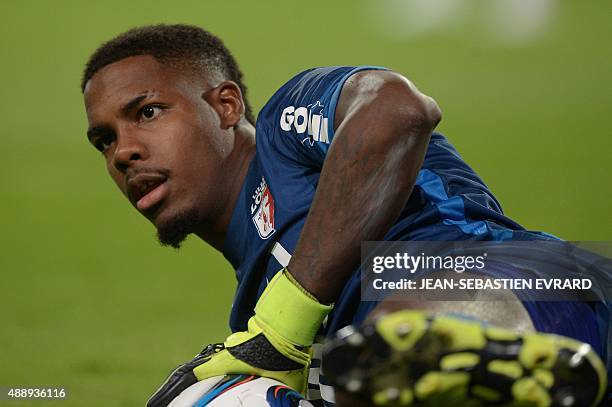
(297, 123)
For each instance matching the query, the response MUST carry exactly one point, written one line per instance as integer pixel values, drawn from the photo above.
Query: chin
(172, 230)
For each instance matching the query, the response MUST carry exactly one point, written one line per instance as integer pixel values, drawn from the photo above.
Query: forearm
(365, 182)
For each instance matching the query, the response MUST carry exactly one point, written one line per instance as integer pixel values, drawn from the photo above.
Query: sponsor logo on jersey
(262, 210)
(307, 121)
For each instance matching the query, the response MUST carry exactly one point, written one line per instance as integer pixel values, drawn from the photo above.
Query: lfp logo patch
(262, 209)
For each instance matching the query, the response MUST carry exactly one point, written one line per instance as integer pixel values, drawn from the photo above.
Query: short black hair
(170, 43)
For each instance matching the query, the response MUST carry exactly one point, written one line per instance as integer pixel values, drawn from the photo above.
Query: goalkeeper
(342, 155)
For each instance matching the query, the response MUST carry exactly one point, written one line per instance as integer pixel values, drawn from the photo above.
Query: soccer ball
(239, 390)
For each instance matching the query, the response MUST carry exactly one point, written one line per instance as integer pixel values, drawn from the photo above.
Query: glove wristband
(286, 308)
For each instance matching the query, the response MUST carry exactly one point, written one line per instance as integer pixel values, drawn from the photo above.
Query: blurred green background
(88, 299)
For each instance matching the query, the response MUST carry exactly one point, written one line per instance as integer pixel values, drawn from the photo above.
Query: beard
(174, 231)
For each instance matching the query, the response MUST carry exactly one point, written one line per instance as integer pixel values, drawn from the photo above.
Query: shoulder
(387, 90)
(317, 82)
(318, 87)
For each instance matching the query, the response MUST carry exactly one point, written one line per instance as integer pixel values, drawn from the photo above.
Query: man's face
(162, 142)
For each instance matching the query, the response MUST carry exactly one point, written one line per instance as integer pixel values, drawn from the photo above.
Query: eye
(103, 143)
(149, 112)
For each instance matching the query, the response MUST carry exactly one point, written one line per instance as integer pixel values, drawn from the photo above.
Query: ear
(226, 99)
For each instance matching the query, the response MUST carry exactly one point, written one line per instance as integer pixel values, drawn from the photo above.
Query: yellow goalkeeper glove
(276, 344)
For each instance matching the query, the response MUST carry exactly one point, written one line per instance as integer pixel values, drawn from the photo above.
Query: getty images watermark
(532, 270)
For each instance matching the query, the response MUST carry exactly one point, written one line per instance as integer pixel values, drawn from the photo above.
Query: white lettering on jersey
(307, 120)
(286, 119)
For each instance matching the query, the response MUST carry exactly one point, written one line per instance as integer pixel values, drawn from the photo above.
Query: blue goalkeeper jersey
(294, 133)
(449, 202)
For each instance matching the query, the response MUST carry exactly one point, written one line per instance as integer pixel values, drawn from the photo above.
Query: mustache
(146, 170)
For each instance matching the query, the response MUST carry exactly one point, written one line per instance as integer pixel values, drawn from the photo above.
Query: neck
(238, 162)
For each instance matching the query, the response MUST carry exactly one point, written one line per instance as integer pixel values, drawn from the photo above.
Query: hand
(276, 344)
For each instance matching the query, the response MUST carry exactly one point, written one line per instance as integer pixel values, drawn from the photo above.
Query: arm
(383, 128)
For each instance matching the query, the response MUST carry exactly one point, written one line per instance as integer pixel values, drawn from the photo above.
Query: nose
(130, 150)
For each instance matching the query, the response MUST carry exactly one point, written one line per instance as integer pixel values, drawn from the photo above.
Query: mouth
(146, 190)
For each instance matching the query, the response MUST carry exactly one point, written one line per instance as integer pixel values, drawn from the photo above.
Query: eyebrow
(129, 106)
